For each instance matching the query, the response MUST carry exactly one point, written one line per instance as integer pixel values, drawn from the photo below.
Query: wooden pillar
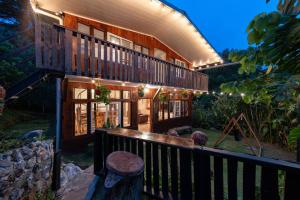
(298, 117)
(58, 136)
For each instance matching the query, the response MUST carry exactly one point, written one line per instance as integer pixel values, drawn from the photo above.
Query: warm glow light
(93, 81)
(123, 84)
(221, 93)
(146, 90)
(230, 94)
(242, 94)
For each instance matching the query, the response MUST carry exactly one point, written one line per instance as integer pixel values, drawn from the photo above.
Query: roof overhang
(157, 18)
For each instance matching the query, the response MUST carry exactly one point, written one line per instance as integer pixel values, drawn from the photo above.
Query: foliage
(102, 94)
(270, 87)
(163, 97)
(45, 195)
(213, 111)
(141, 91)
(293, 136)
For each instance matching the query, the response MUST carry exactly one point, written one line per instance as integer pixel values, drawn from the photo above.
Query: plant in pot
(102, 95)
(163, 97)
(185, 94)
(141, 91)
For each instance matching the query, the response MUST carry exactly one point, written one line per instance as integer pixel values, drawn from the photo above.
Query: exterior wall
(71, 21)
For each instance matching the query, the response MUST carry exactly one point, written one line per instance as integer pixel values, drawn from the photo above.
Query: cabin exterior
(129, 47)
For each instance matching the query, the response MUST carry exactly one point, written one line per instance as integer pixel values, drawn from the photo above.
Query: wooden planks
(186, 173)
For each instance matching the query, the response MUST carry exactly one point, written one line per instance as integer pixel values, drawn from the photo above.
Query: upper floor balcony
(71, 52)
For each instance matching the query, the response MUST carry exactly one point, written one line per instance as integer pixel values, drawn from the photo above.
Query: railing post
(38, 53)
(298, 117)
(57, 146)
(99, 148)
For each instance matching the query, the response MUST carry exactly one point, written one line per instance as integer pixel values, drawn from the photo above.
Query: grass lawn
(14, 123)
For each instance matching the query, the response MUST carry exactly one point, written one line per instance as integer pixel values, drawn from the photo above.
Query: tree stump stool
(124, 179)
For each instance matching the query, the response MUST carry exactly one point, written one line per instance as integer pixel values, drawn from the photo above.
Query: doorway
(144, 115)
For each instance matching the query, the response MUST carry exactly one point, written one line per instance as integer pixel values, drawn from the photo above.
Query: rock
(5, 164)
(172, 132)
(32, 134)
(26, 152)
(16, 194)
(71, 170)
(16, 156)
(183, 130)
(63, 178)
(30, 163)
(5, 167)
(199, 138)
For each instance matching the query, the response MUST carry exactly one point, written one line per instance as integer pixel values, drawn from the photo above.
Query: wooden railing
(175, 168)
(74, 53)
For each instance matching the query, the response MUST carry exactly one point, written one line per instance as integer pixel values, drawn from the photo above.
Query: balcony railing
(175, 168)
(74, 53)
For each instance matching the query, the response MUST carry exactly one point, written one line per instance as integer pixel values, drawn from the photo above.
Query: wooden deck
(74, 53)
(175, 168)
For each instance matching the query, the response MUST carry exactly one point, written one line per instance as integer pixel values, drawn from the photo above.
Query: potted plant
(102, 94)
(185, 94)
(141, 91)
(163, 97)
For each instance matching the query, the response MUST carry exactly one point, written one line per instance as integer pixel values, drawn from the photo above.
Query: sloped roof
(160, 19)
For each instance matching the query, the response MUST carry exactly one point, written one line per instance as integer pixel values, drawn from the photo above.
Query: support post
(57, 141)
(298, 118)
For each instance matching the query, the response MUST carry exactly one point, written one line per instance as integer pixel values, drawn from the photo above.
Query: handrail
(186, 143)
(189, 170)
(75, 53)
(119, 46)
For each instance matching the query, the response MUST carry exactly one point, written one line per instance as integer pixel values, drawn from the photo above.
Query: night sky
(224, 22)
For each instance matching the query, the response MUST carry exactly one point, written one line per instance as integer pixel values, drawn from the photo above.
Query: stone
(5, 167)
(32, 134)
(16, 156)
(71, 170)
(172, 132)
(63, 178)
(199, 138)
(183, 130)
(30, 163)
(26, 152)
(16, 194)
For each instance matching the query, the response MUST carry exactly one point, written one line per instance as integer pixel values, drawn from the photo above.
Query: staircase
(27, 84)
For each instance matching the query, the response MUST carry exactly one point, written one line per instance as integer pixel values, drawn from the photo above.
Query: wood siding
(71, 21)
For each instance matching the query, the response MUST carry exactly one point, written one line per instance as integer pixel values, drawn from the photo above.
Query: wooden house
(129, 46)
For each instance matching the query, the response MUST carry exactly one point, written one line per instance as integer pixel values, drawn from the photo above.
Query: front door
(144, 115)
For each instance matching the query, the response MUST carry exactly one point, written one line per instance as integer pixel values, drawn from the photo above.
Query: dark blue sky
(224, 22)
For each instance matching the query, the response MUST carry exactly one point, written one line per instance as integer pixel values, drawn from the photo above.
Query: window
(98, 34)
(126, 94)
(180, 63)
(115, 94)
(84, 28)
(126, 114)
(160, 54)
(79, 93)
(145, 51)
(99, 115)
(80, 119)
(119, 40)
(138, 48)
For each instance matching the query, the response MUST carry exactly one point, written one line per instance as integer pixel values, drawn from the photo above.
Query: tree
(271, 63)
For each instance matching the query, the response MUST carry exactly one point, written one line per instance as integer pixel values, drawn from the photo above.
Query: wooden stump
(125, 176)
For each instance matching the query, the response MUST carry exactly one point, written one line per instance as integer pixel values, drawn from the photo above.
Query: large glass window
(115, 94)
(126, 114)
(79, 93)
(160, 54)
(114, 114)
(80, 119)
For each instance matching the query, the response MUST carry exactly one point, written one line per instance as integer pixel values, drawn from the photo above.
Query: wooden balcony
(73, 53)
(175, 168)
